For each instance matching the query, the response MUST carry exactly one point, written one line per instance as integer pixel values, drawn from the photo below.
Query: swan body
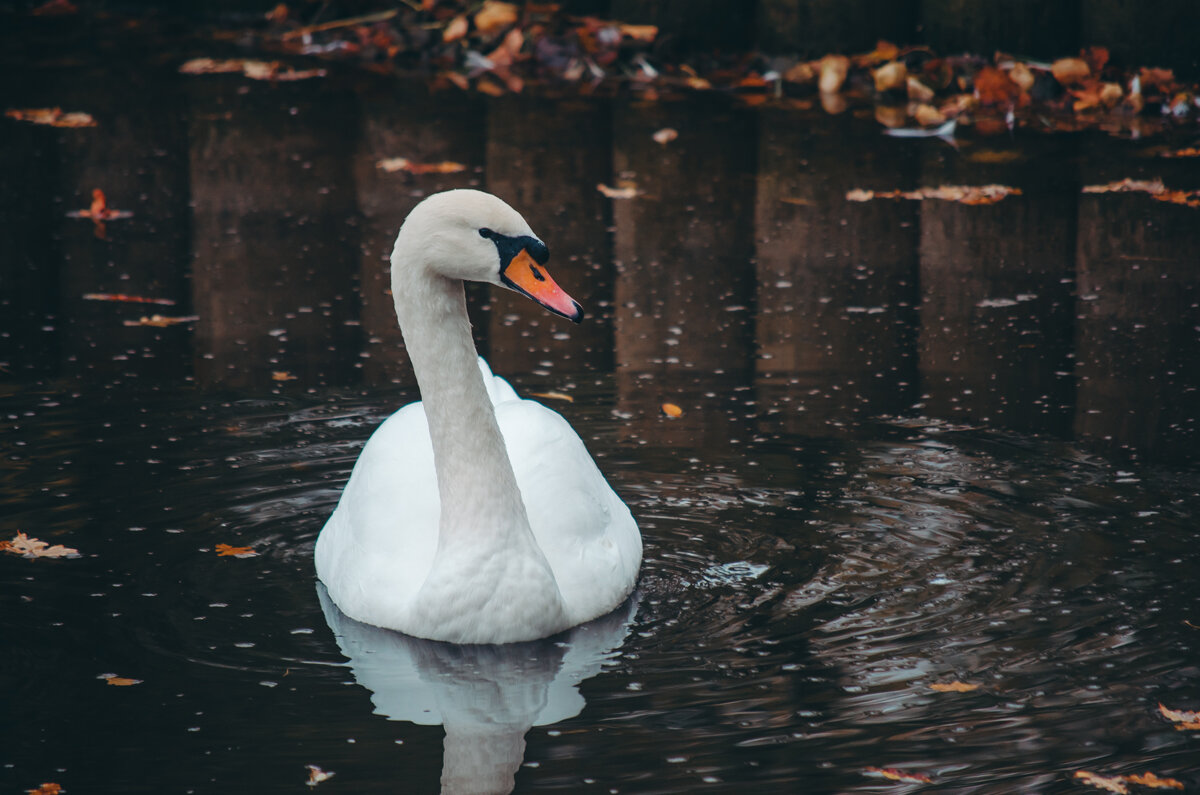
(474, 516)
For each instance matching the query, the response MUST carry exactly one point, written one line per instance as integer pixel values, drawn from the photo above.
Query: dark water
(920, 442)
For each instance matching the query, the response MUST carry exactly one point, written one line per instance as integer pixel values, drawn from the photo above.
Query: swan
(474, 516)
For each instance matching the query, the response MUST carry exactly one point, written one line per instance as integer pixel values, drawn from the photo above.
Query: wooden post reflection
(1138, 350)
(276, 248)
(995, 336)
(137, 155)
(545, 158)
(685, 278)
(411, 122)
(836, 279)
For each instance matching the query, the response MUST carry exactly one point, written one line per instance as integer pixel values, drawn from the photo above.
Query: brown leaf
(643, 33)
(1148, 779)
(282, 375)
(1070, 71)
(48, 788)
(393, 164)
(665, 135)
(802, 72)
(671, 410)
(225, 550)
(928, 115)
(1114, 784)
(130, 299)
(953, 687)
(553, 396)
(918, 91)
(627, 190)
(1179, 715)
(27, 547)
(1161, 79)
(890, 76)
(994, 87)
(161, 321)
(1190, 151)
(496, 15)
(53, 117)
(119, 681)
(895, 774)
(1022, 76)
(456, 29)
(1128, 186)
(316, 775)
(833, 70)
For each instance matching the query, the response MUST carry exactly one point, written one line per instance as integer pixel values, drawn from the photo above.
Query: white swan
(474, 516)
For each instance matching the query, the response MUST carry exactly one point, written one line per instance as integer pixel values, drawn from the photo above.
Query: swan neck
(476, 484)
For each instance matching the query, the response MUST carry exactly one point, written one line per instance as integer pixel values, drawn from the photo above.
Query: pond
(921, 443)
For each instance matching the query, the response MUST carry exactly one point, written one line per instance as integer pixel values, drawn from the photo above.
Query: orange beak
(524, 275)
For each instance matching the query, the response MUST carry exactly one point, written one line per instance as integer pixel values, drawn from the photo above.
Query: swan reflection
(487, 697)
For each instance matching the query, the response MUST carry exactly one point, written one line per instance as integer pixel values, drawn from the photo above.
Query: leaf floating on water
(255, 70)
(963, 194)
(553, 396)
(627, 191)
(665, 135)
(895, 774)
(225, 550)
(47, 788)
(1128, 186)
(316, 775)
(129, 299)
(282, 375)
(161, 321)
(1189, 151)
(953, 687)
(54, 117)
(394, 164)
(1113, 784)
(1148, 779)
(119, 681)
(27, 547)
(1182, 718)
(671, 410)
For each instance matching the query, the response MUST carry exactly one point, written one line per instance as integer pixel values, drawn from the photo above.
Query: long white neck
(476, 484)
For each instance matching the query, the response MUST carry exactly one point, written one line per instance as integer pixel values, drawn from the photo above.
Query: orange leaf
(642, 33)
(626, 191)
(953, 687)
(1114, 784)
(671, 410)
(994, 87)
(894, 774)
(456, 29)
(833, 70)
(27, 547)
(1148, 779)
(120, 681)
(161, 321)
(496, 15)
(48, 788)
(53, 117)
(131, 299)
(553, 396)
(393, 164)
(1069, 71)
(316, 775)
(1096, 58)
(1179, 715)
(224, 550)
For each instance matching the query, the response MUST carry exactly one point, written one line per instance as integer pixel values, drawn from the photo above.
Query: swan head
(474, 236)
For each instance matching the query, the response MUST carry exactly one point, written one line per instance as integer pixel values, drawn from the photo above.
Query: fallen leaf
(895, 774)
(255, 70)
(553, 396)
(316, 775)
(833, 70)
(131, 299)
(48, 788)
(1185, 719)
(671, 410)
(802, 72)
(456, 29)
(994, 87)
(393, 164)
(953, 687)
(918, 91)
(928, 116)
(282, 375)
(210, 66)
(119, 681)
(1096, 58)
(891, 76)
(1128, 186)
(1069, 71)
(225, 550)
(643, 33)
(1148, 779)
(623, 192)
(495, 15)
(27, 547)
(1022, 75)
(963, 194)
(1114, 784)
(53, 117)
(666, 135)
(161, 321)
